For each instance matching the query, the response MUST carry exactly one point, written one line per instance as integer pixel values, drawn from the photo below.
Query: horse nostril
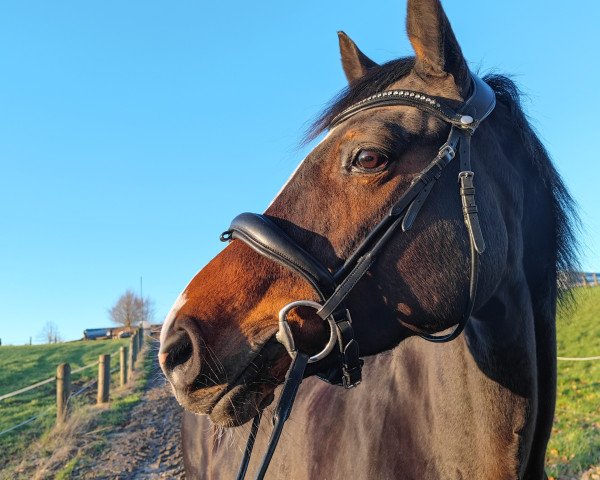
(178, 349)
(180, 354)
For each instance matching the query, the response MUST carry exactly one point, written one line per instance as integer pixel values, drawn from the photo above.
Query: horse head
(217, 346)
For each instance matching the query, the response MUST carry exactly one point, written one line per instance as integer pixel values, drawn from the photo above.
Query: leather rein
(265, 237)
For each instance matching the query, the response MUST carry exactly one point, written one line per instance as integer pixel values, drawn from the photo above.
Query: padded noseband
(261, 234)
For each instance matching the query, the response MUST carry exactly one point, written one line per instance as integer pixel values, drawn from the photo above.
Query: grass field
(24, 365)
(575, 442)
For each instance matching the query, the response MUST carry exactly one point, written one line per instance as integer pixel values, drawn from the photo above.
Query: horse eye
(370, 160)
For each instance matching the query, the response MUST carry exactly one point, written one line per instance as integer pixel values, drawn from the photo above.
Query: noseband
(265, 237)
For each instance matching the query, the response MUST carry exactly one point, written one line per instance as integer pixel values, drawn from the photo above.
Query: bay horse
(477, 407)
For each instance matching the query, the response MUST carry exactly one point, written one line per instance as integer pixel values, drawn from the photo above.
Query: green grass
(575, 442)
(24, 365)
(67, 470)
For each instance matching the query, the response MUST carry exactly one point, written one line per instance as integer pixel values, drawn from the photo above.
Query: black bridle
(261, 234)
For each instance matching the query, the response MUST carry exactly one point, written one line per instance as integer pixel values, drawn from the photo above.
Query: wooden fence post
(103, 378)
(584, 280)
(595, 275)
(141, 340)
(135, 347)
(131, 355)
(123, 366)
(63, 391)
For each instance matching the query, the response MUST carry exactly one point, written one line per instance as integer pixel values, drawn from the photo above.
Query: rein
(264, 236)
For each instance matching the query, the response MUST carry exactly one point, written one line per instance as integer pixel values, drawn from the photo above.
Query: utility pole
(143, 302)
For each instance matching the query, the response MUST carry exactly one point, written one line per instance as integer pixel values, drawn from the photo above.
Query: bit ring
(284, 335)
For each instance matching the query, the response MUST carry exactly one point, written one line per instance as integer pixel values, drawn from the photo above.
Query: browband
(473, 111)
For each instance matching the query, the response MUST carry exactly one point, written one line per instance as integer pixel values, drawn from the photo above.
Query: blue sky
(132, 132)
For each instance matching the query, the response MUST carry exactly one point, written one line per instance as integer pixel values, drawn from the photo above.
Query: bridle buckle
(446, 150)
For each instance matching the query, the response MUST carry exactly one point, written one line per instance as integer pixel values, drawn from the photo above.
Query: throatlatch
(263, 235)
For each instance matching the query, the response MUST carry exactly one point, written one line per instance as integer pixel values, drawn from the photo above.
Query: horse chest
(392, 426)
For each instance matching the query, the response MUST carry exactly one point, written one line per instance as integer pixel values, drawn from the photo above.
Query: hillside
(575, 442)
(21, 366)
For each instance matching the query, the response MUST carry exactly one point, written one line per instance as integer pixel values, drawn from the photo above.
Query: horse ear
(355, 63)
(437, 51)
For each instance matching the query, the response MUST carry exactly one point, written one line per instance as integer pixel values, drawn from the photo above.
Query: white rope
(26, 389)
(77, 370)
(578, 359)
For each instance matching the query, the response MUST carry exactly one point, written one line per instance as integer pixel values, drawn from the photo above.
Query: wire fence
(83, 389)
(22, 424)
(136, 344)
(47, 381)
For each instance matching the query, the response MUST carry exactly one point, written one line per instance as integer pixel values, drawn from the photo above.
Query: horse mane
(563, 207)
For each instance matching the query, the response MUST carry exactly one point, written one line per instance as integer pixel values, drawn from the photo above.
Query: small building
(109, 332)
(96, 333)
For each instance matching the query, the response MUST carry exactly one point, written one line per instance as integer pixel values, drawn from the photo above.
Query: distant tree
(130, 310)
(49, 333)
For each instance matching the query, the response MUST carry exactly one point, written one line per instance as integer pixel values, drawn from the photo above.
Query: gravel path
(148, 447)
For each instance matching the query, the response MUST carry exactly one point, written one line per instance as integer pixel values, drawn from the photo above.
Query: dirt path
(148, 447)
